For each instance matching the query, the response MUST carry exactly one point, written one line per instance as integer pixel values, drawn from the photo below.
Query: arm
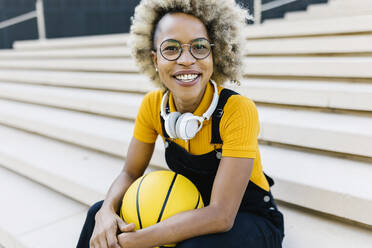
(107, 220)
(137, 160)
(228, 189)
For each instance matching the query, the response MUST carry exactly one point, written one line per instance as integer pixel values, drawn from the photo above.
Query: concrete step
(325, 131)
(332, 26)
(338, 95)
(306, 230)
(107, 135)
(105, 52)
(335, 95)
(93, 65)
(339, 67)
(344, 67)
(326, 184)
(90, 80)
(288, 126)
(355, 4)
(323, 45)
(122, 105)
(74, 42)
(327, 12)
(82, 174)
(71, 170)
(334, 9)
(34, 216)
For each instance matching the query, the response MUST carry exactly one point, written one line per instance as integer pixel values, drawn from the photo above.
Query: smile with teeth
(187, 77)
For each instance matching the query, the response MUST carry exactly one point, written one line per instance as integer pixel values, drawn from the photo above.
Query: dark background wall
(67, 18)
(21, 31)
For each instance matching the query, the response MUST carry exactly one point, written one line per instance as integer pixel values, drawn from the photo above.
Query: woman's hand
(132, 240)
(106, 229)
(108, 223)
(126, 240)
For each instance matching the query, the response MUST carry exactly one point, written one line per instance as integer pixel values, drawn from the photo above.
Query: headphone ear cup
(187, 126)
(170, 124)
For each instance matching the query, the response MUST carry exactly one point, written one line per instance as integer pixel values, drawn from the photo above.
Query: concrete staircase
(332, 9)
(277, 9)
(67, 110)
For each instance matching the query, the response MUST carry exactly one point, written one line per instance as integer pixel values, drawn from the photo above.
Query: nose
(186, 57)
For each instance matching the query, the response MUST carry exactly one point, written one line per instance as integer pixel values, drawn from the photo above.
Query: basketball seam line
(197, 204)
(137, 203)
(166, 198)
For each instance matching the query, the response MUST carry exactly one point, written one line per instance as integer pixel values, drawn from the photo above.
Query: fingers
(98, 239)
(99, 243)
(112, 240)
(123, 227)
(106, 230)
(121, 224)
(92, 243)
(126, 227)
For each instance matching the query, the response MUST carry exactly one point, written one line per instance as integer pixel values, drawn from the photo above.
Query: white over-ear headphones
(185, 126)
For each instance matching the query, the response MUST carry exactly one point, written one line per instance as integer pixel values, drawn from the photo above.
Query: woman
(186, 46)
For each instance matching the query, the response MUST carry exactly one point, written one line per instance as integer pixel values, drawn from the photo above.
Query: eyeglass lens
(172, 49)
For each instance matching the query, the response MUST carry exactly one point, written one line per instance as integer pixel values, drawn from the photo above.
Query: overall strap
(217, 115)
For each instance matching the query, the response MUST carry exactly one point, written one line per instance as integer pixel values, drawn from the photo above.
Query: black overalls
(202, 169)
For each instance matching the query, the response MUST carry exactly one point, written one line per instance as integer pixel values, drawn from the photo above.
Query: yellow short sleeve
(239, 128)
(145, 128)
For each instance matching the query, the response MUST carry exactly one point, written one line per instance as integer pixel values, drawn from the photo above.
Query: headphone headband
(214, 102)
(207, 113)
(162, 111)
(185, 126)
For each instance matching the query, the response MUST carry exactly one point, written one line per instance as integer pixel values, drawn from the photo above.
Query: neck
(187, 105)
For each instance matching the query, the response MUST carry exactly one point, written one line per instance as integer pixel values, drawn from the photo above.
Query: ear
(154, 58)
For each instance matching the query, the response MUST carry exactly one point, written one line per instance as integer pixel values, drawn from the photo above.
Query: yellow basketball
(157, 196)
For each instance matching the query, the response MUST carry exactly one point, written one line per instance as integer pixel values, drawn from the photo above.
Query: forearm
(116, 192)
(180, 227)
(138, 157)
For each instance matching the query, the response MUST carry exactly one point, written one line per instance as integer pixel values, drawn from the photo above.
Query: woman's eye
(200, 46)
(171, 48)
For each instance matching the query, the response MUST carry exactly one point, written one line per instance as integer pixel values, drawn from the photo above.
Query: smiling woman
(189, 48)
(223, 22)
(186, 73)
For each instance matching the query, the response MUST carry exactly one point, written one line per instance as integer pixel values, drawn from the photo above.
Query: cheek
(164, 69)
(165, 73)
(208, 65)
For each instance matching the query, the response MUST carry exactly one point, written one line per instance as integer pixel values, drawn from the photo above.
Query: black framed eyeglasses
(199, 48)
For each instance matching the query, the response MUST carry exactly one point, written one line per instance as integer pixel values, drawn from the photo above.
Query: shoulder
(239, 104)
(239, 111)
(153, 99)
(153, 96)
(150, 104)
(239, 119)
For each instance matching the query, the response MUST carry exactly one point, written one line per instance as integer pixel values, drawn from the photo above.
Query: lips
(187, 83)
(185, 72)
(185, 76)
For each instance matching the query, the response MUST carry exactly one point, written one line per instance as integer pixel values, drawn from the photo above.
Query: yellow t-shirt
(239, 128)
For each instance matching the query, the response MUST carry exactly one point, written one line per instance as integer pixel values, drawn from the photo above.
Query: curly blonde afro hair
(224, 20)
